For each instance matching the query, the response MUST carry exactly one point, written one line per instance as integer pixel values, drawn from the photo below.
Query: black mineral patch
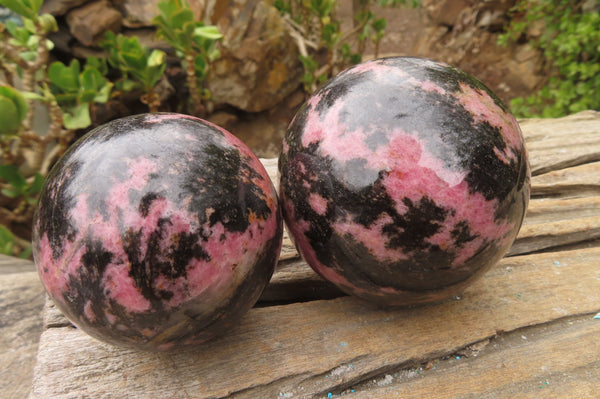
(216, 181)
(53, 217)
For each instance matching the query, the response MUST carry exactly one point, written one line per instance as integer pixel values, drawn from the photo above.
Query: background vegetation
(570, 43)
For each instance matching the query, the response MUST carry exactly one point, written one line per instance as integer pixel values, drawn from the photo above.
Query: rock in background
(259, 65)
(464, 33)
(91, 21)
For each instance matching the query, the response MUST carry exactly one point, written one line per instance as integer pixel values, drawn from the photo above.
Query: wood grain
(535, 237)
(21, 301)
(559, 360)
(556, 210)
(555, 144)
(9, 265)
(577, 181)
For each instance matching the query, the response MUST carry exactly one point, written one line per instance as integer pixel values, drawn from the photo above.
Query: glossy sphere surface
(402, 180)
(157, 231)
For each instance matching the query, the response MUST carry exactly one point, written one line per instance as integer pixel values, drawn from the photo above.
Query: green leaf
(35, 5)
(66, 78)
(201, 67)
(28, 95)
(48, 23)
(9, 123)
(330, 35)
(21, 7)
(209, 32)
(282, 6)
(167, 8)
(157, 58)
(18, 101)
(182, 41)
(322, 8)
(29, 56)
(181, 17)
(19, 34)
(156, 67)
(86, 96)
(91, 79)
(103, 94)
(379, 24)
(97, 63)
(134, 61)
(77, 117)
(26, 253)
(213, 54)
(13, 177)
(7, 240)
(66, 98)
(11, 192)
(128, 85)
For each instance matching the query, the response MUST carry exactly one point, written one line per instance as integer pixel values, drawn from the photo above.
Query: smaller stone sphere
(157, 232)
(402, 180)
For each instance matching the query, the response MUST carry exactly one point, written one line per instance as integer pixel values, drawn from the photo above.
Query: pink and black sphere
(402, 180)
(157, 232)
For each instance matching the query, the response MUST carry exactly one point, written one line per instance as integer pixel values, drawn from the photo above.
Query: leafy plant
(12, 245)
(13, 110)
(570, 45)
(194, 43)
(135, 61)
(75, 90)
(18, 186)
(26, 8)
(324, 48)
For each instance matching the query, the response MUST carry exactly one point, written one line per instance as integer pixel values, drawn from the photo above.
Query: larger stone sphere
(403, 180)
(157, 232)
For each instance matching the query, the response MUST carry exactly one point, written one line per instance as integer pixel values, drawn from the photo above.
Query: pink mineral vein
(483, 108)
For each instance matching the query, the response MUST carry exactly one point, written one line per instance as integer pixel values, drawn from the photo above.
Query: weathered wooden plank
(21, 301)
(577, 181)
(544, 210)
(555, 144)
(288, 249)
(270, 165)
(308, 349)
(534, 237)
(9, 264)
(560, 360)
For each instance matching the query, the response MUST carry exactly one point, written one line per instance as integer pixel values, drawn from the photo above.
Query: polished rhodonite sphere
(402, 180)
(157, 231)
